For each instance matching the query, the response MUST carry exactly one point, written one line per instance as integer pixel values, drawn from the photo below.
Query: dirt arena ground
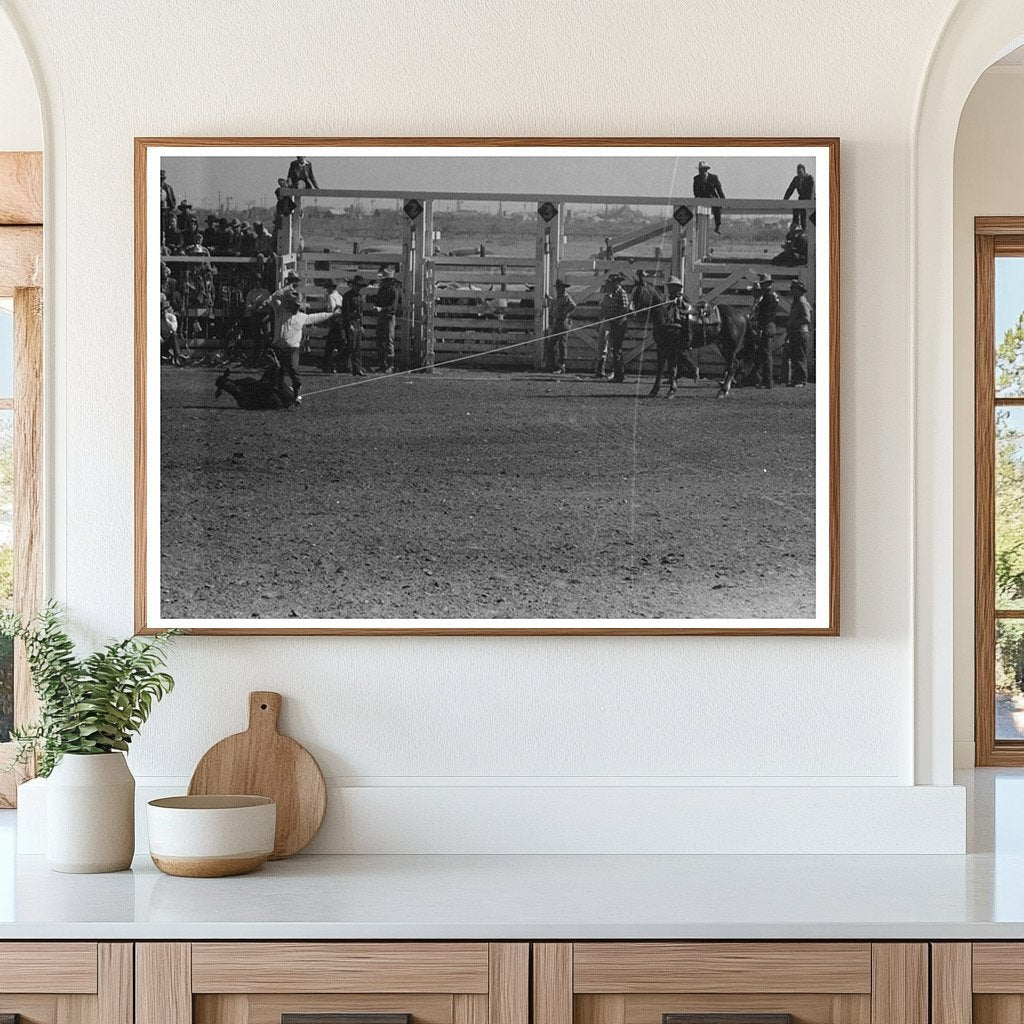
(468, 494)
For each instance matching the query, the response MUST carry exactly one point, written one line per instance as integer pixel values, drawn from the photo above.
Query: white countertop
(495, 897)
(977, 896)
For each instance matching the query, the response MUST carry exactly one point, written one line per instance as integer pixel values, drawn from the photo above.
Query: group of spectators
(181, 233)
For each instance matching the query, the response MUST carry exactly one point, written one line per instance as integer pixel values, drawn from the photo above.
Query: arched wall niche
(976, 34)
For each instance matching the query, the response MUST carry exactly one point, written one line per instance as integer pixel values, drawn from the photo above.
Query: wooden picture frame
(149, 150)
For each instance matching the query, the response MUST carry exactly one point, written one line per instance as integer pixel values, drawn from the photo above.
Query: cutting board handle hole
(263, 707)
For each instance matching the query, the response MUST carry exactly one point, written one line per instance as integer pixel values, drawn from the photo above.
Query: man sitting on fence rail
(300, 174)
(803, 186)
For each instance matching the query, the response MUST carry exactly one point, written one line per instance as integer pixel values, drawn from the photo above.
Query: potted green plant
(90, 708)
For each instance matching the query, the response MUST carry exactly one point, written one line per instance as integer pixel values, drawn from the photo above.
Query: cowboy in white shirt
(293, 321)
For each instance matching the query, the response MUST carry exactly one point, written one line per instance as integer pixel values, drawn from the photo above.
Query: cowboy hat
(561, 284)
(385, 272)
(797, 286)
(358, 281)
(702, 166)
(675, 280)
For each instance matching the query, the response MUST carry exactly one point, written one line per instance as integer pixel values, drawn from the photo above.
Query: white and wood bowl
(211, 836)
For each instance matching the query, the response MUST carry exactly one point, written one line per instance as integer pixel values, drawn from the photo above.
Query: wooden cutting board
(262, 762)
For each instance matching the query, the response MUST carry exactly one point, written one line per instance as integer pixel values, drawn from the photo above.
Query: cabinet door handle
(727, 1018)
(337, 1018)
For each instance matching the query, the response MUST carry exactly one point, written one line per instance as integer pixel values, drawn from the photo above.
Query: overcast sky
(251, 180)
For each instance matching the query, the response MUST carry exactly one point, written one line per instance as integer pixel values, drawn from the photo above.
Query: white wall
(447, 713)
(21, 126)
(988, 181)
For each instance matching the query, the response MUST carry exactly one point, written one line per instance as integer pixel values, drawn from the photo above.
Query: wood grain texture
(599, 1009)
(28, 482)
(262, 762)
(21, 188)
(552, 983)
(268, 1008)
(32, 1009)
(634, 967)
(467, 1009)
(28, 503)
(984, 502)
(951, 981)
(998, 967)
(899, 988)
(346, 1018)
(141, 362)
(998, 1009)
(115, 996)
(998, 226)
(21, 259)
(65, 967)
(143, 622)
(225, 1009)
(806, 1008)
(305, 967)
(508, 993)
(208, 867)
(163, 983)
(728, 1018)
(76, 1009)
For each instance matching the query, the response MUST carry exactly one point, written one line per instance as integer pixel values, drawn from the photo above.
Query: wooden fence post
(409, 326)
(549, 249)
(425, 308)
(807, 273)
(295, 227)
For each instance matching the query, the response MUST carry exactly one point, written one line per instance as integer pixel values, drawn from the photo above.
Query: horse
(270, 391)
(729, 328)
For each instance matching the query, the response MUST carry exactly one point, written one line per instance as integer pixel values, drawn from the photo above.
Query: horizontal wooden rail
(747, 205)
(214, 259)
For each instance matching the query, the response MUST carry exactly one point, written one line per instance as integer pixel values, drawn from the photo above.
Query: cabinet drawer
(333, 983)
(340, 967)
(730, 983)
(635, 967)
(66, 982)
(58, 967)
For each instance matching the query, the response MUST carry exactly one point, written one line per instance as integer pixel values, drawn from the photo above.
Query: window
(999, 491)
(21, 366)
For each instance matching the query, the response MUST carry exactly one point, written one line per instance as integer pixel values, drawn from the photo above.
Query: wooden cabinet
(512, 983)
(978, 983)
(375, 982)
(66, 982)
(752, 982)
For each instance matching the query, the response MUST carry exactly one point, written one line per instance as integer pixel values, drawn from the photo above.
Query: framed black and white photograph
(487, 385)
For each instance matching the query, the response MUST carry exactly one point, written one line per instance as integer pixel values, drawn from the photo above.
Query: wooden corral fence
(496, 308)
(213, 288)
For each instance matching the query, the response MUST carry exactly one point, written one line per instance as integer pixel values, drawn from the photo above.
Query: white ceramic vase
(90, 814)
